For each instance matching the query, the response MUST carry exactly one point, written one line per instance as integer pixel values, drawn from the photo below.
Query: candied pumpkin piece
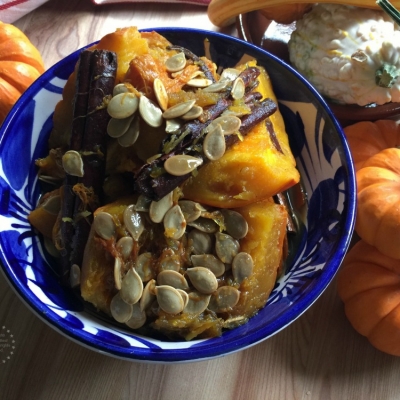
(264, 242)
(127, 43)
(251, 170)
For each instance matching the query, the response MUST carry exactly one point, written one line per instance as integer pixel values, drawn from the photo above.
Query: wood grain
(319, 356)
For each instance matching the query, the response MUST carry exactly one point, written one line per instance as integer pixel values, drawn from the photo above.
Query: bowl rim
(222, 348)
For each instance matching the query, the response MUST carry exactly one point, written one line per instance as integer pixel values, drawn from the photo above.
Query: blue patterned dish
(327, 173)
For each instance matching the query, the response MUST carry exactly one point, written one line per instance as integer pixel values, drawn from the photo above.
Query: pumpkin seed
(202, 279)
(75, 276)
(238, 88)
(172, 278)
(234, 322)
(123, 105)
(150, 112)
(138, 318)
(193, 113)
(185, 297)
(72, 163)
(144, 266)
(176, 63)
(120, 310)
(199, 82)
(242, 266)
(217, 267)
(214, 145)
(117, 273)
(130, 136)
(178, 110)
(190, 209)
(148, 295)
(158, 209)
(161, 93)
(104, 225)
(229, 74)
(172, 125)
(181, 164)
(229, 124)
(169, 299)
(224, 299)
(142, 203)
(170, 261)
(217, 86)
(122, 88)
(200, 242)
(174, 223)
(117, 127)
(133, 222)
(125, 246)
(235, 224)
(206, 225)
(198, 302)
(226, 247)
(131, 287)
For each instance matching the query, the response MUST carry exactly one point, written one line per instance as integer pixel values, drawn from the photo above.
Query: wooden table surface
(319, 356)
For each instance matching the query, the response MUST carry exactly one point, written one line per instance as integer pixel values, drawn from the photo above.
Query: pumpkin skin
(369, 285)
(20, 64)
(378, 196)
(368, 138)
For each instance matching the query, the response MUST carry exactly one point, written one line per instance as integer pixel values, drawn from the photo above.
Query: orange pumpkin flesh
(378, 196)
(369, 285)
(368, 138)
(20, 64)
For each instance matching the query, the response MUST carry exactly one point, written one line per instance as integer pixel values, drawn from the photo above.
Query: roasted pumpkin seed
(120, 310)
(182, 164)
(138, 318)
(75, 276)
(242, 266)
(133, 222)
(148, 295)
(172, 278)
(174, 223)
(198, 302)
(238, 88)
(161, 93)
(178, 110)
(131, 287)
(158, 209)
(104, 225)
(224, 299)
(201, 242)
(117, 127)
(202, 279)
(214, 145)
(150, 112)
(117, 273)
(175, 63)
(144, 266)
(169, 299)
(217, 267)
(235, 224)
(229, 124)
(131, 135)
(193, 113)
(125, 247)
(226, 247)
(123, 105)
(190, 209)
(72, 163)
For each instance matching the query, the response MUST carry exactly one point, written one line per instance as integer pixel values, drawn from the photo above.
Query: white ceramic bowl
(327, 175)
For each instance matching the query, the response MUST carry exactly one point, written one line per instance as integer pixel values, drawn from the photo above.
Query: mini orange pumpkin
(367, 138)
(369, 285)
(378, 196)
(20, 64)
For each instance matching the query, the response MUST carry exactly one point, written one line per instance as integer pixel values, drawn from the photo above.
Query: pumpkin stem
(386, 75)
(389, 9)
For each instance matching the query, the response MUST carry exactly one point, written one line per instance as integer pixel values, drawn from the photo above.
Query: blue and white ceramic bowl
(327, 174)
